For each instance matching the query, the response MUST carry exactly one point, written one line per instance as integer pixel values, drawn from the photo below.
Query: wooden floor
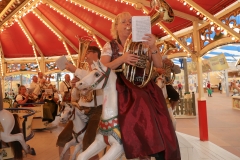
(223, 131)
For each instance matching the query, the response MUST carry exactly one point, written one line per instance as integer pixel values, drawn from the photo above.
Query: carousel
(34, 34)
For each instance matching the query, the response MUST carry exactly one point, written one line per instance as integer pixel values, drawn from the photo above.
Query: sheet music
(60, 62)
(141, 25)
(49, 91)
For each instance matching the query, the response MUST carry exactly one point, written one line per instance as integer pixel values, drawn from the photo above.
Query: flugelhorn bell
(84, 42)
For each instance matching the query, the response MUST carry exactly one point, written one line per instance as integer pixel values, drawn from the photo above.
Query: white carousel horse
(160, 81)
(108, 131)
(79, 119)
(7, 124)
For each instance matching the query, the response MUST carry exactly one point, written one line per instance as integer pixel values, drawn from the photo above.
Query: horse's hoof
(32, 152)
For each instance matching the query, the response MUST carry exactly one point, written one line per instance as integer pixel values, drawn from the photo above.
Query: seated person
(51, 100)
(37, 92)
(23, 97)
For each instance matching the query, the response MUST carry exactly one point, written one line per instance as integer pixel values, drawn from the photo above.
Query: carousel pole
(1, 96)
(202, 108)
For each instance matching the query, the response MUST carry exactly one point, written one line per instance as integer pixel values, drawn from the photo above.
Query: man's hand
(160, 71)
(70, 67)
(74, 81)
(168, 62)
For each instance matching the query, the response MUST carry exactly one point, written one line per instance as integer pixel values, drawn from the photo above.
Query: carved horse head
(97, 78)
(69, 112)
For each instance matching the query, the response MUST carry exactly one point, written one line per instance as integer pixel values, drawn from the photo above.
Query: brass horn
(169, 73)
(84, 42)
(141, 74)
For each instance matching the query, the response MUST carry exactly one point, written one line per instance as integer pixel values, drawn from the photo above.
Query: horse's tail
(16, 146)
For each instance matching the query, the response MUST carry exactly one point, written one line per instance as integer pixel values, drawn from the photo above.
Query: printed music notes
(141, 25)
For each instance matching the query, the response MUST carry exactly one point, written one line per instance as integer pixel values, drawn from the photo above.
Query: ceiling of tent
(49, 23)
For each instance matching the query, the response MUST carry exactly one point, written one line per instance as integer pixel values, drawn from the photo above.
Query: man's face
(35, 79)
(40, 75)
(67, 78)
(91, 56)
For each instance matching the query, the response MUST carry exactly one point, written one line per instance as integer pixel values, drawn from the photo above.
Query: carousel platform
(223, 131)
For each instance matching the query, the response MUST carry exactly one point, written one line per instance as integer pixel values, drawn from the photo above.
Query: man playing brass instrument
(169, 67)
(95, 106)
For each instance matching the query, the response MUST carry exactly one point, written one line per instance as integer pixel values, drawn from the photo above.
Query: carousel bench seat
(37, 122)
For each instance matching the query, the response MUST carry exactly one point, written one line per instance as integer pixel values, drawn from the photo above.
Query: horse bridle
(73, 114)
(105, 76)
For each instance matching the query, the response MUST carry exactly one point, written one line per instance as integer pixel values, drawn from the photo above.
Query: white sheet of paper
(48, 91)
(141, 25)
(60, 62)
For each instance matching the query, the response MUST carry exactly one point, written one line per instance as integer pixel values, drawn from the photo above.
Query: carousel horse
(79, 119)
(160, 81)
(108, 132)
(10, 133)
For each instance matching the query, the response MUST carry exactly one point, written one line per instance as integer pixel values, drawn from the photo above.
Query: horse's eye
(97, 74)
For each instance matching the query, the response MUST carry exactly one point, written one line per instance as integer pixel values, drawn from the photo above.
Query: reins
(104, 77)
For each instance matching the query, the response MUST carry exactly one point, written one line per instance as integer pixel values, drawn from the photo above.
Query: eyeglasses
(90, 51)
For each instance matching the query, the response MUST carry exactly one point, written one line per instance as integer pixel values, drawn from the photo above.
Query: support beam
(7, 7)
(175, 38)
(186, 16)
(29, 36)
(212, 18)
(95, 8)
(2, 61)
(75, 19)
(39, 14)
(12, 13)
(202, 111)
(32, 43)
(19, 12)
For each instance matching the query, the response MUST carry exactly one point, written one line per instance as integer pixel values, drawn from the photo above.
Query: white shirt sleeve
(107, 50)
(56, 95)
(36, 91)
(61, 88)
(80, 73)
(19, 98)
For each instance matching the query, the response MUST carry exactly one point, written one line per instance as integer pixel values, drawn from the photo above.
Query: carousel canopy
(47, 28)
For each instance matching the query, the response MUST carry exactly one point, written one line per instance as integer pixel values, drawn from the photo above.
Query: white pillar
(226, 82)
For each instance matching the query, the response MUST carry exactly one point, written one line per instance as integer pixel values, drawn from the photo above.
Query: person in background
(209, 90)
(65, 89)
(22, 96)
(40, 89)
(220, 87)
(142, 112)
(33, 84)
(179, 87)
(51, 100)
(170, 67)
